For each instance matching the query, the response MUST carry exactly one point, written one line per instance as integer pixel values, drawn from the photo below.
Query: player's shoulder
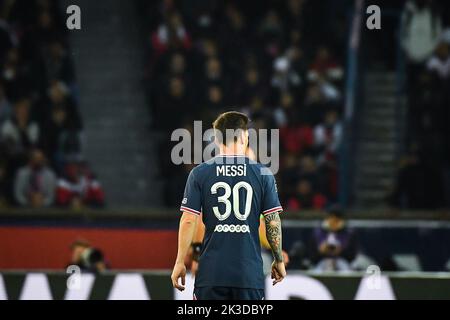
(201, 169)
(262, 169)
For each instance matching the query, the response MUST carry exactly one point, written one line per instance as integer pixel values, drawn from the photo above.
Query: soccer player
(231, 191)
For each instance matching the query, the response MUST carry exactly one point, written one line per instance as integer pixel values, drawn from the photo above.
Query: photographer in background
(86, 257)
(333, 245)
(35, 183)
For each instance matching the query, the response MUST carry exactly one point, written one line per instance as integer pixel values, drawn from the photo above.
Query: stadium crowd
(41, 163)
(424, 177)
(206, 57)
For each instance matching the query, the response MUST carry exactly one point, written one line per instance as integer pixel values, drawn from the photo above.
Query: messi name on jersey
(232, 170)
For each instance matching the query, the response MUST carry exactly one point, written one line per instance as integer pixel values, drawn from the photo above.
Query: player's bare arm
(274, 237)
(265, 244)
(188, 225)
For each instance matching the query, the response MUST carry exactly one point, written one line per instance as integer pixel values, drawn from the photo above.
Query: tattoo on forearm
(273, 234)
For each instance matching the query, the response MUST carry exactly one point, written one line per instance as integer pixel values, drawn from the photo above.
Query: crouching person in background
(333, 245)
(86, 257)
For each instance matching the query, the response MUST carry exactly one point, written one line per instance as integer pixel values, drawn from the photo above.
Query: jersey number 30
(226, 200)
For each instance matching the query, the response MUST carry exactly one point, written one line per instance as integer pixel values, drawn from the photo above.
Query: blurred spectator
(21, 131)
(315, 106)
(213, 73)
(61, 137)
(285, 111)
(284, 78)
(296, 139)
(328, 135)
(16, 73)
(288, 176)
(308, 171)
(86, 257)
(173, 105)
(306, 197)
(35, 183)
(252, 85)
(324, 65)
(171, 34)
(421, 27)
(233, 35)
(328, 89)
(58, 94)
(333, 245)
(439, 63)
(79, 188)
(57, 63)
(271, 27)
(46, 28)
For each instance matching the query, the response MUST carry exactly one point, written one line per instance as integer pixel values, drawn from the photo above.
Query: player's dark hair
(231, 120)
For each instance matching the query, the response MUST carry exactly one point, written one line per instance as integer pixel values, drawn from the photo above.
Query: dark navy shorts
(227, 293)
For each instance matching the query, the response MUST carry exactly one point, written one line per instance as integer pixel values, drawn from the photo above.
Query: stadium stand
(39, 119)
(422, 180)
(204, 59)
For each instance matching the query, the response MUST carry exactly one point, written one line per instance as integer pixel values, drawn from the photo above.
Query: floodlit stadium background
(86, 117)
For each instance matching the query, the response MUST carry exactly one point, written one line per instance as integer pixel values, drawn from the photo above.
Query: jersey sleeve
(271, 202)
(192, 196)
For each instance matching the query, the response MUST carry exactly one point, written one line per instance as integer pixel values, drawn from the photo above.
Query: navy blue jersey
(231, 192)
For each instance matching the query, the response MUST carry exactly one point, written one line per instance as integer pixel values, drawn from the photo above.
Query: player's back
(231, 192)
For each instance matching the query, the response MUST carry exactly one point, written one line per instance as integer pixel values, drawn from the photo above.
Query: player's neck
(232, 150)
